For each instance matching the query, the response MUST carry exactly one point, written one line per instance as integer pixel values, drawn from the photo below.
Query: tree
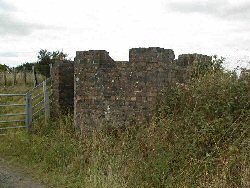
(4, 68)
(45, 58)
(28, 66)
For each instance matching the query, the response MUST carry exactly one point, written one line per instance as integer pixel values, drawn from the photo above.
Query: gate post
(28, 120)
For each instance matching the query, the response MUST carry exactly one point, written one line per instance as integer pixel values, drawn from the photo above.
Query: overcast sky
(210, 27)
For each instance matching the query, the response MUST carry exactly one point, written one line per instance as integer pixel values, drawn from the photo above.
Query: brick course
(118, 91)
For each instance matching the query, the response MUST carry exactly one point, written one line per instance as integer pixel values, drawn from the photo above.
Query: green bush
(210, 132)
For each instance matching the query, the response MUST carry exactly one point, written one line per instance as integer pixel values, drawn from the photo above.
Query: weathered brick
(117, 91)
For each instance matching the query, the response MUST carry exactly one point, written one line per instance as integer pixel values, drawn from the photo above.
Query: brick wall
(62, 87)
(117, 91)
(120, 92)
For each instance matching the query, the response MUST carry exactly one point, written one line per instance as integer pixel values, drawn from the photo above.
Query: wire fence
(34, 76)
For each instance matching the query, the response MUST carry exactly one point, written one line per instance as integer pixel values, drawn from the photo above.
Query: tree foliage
(45, 58)
(4, 68)
(199, 68)
(27, 66)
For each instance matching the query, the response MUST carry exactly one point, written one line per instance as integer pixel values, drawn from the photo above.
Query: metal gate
(22, 119)
(35, 105)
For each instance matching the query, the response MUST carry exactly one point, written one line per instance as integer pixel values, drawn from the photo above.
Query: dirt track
(15, 178)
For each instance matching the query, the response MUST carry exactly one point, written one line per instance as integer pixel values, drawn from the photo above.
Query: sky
(211, 27)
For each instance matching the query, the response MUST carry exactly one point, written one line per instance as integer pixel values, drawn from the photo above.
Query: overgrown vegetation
(200, 137)
(20, 79)
(42, 66)
(4, 67)
(44, 59)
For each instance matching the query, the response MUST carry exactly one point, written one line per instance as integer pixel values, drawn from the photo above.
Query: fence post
(14, 76)
(24, 76)
(34, 76)
(28, 120)
(50, 69)
(46, 102)
(4, 77)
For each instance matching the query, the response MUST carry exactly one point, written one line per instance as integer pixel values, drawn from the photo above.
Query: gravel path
(15, 178)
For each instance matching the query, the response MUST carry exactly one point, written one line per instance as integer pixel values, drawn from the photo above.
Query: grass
(20, 78)
(18, 89)
(12, 100)
(199, 137)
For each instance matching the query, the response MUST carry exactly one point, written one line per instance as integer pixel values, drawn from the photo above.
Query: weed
(199, 138)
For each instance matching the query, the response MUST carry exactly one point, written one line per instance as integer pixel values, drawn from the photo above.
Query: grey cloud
(12, 26)
(193, 7)
(241, 11)
(218, 8)
(9, 54)
(4, 6)
(240, 28)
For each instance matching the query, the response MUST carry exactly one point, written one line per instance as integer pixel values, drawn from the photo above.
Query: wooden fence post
(46, 102)
(28, 119)
(4, 77)
(14, 76)
(24, 76)
(50, 69)
(34, 76)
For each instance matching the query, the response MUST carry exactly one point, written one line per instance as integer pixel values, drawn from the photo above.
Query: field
(199, 137)
(21, 77)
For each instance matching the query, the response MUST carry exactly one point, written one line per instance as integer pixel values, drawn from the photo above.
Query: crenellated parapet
(122, 92)
(188, 59)
(151, 55)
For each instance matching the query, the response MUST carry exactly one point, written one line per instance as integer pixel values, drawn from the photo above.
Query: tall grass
(18, 89)
(20, 78)
(199, 137)
(21, 89)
